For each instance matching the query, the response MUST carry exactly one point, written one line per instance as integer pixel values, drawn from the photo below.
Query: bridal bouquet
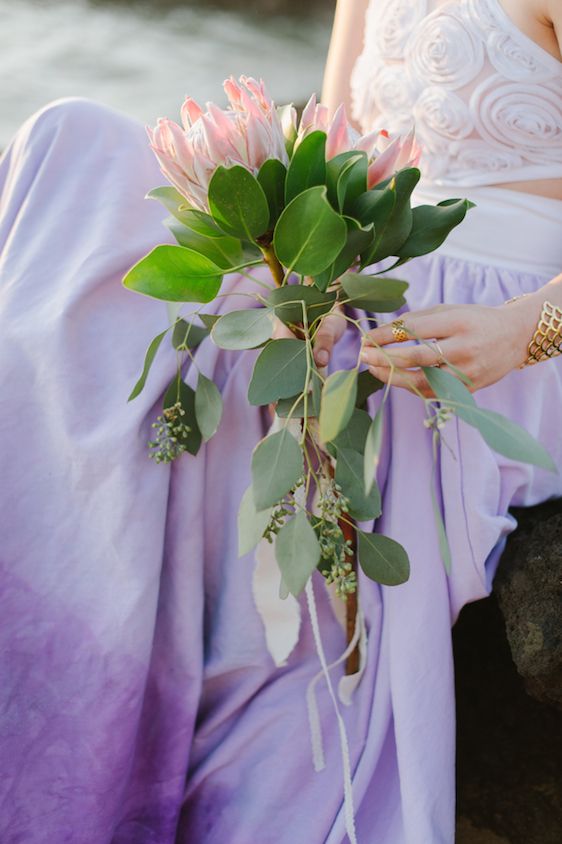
(314, 204)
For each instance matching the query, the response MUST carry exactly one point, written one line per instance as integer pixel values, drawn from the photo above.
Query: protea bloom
(248, 133)
(386, 155)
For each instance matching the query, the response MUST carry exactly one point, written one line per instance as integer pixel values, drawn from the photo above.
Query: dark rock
(528, 586)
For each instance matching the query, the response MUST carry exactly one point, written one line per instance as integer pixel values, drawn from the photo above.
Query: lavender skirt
(138, 701)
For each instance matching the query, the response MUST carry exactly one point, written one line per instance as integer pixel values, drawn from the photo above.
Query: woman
(139, 702)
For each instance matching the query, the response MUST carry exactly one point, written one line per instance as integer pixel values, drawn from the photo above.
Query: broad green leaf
(243, 329)
(179, 391)
(171, 199)
(297, 551)
(277, 466)
(208, 407)
(432, 224)
(238, 203)
(225, 252)
(148, 359)
(209, 320)
(382, 559)
(367, 384)
(501, 434)
(307, 167)
(279, 372)
(293, 406)
(373, 443)
(309, 234)
(373, 208)
(358, 239)
(394, 230)
(350, 476)
(272, 176)
(287, 302)
(175, 274)
(338, 403)
(373, 293)
(346, 178)
(186, 335)
(354, 434)
(251, 523)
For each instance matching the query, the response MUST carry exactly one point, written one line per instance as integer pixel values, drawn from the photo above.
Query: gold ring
(399, 331)
(441, 359)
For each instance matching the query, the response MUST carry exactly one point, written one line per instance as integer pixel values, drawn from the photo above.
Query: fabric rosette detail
(445, 52)
(442, 113)
(394, 25)
(247, 133)
(514, 61)
(523, 117)
(471, 156)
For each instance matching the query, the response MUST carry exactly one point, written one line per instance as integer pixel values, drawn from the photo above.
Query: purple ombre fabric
(138, 701)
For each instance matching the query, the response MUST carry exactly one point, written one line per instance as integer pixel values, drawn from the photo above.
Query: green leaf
(373, 443)
(287, 303)
(209, 320)
(373, 208)
(272, 176)
(148, 360)
(171, 199)
(358, 239)
(501, 434)
(346, 178)
(238, 203)
(175, 274)
(208, 407)
(186, 335)
(338, 403)
(277, 466)
(354, 434)
(225, 252)
(251, 523)
(179, 391)
(373, 293)
(350, 475)
(309, 234)
(432, 224)
(243, 329)
(382, 559)
(308, 165)
(444, 546)
(367, 384)
(394, 230)
(294, 403)
(298, 553)
(279, 372)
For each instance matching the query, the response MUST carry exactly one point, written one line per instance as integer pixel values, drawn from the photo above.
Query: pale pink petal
(339, 139)
(190, 113)
(384, 165)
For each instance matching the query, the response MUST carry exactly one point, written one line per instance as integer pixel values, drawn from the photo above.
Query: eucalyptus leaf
(209, 320)
(308, 166)
(287, 303)
(354, 434)
(338, 403)
(373, 444)
(293, 406)
(350, 477)
(373, 293)
(208, 407)
(272, 176)
(244, 329)
(382, 559)
(186, 335)
(297, 551)
(501, 434)
(432, 224)
(175, 274)
(148, 360)
(309, 234)
(279, 372)
(237, 202)
(367, 384)
(179, 391)
(277, 466)
(444, 546)
(251, 523)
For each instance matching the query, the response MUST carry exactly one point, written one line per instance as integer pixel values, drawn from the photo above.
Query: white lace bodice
(485, 99)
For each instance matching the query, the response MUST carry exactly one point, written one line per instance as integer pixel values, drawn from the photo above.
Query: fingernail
(322, 356)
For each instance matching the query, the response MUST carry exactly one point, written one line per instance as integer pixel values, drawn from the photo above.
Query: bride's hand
(485, 343)
(330, 330)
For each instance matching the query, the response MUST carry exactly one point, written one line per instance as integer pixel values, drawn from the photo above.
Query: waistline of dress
(507, 228)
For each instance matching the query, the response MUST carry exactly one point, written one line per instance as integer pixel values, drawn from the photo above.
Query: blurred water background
(143, 57)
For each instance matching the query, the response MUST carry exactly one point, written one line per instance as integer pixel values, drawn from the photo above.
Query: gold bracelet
(547, 339)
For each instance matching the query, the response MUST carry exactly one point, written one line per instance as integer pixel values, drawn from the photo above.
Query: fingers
(329, 332)
(409, 356)
(282, 331)
(412, 380)
(439, 322)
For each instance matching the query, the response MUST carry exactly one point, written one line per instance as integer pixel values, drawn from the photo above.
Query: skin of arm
(345, 46)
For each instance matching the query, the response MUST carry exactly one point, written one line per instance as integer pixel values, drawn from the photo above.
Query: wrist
(523, 315)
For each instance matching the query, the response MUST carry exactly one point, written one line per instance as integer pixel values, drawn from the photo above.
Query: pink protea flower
(386, 155)
(248, 133)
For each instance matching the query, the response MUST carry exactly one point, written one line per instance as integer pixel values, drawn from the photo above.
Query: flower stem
(275, 267)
